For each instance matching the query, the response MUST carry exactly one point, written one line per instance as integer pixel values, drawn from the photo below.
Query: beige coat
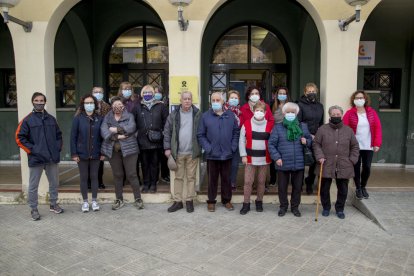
(338, 145)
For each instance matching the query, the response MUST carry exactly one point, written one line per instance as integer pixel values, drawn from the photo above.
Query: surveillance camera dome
(356, 2)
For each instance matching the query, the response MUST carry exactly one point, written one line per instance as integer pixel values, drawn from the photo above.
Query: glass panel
(157, 45)
(266, 47)
(137, 81)
(115, 80)
(279, 79)
(218, 80)
(57, 79)
(232, 47)
(128, 47)
(69, 80)
(69, 97)
(155, 79)
(384, 80)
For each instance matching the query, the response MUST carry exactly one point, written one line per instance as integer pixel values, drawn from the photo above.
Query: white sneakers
(85, 206)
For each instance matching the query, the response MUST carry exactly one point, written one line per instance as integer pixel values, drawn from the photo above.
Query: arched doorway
(246, 56)
(140, 56)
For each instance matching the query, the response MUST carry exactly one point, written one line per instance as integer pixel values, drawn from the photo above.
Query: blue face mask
(98, 96)
(158, 96)
(282, 97)
(127, 93)
(89, 107)
(290, 116)
(148, 97)
(233, 102)
(216, 106)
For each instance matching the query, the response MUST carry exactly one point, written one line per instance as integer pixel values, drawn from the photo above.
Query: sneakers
(95, 206)
(358, 194)
(364, 193)
(35, 214)
(85, 207)
(139, 203)
(340, 215)
(177, 205)
(245, 209)
(55, 208)
(118, 204)
(325, 213)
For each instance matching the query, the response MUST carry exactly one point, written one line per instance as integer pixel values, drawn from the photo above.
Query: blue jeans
(34, 178)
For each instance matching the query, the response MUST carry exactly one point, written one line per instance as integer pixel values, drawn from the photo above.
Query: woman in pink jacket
(366, 125)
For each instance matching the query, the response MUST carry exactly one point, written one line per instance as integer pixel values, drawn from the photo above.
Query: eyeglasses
(100, 92)
(359, 98)
(89, 102)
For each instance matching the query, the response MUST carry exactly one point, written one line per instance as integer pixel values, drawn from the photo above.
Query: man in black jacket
(38, 134)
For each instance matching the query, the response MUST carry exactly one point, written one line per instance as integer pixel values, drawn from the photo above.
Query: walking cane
(319, 193)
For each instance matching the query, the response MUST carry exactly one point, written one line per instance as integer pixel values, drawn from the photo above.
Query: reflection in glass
(128, 47)
(157, 46)
(232, 47)
(266, 47)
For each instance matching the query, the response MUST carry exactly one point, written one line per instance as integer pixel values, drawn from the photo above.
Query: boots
(175, 207)
(245, 209)
(259, 206)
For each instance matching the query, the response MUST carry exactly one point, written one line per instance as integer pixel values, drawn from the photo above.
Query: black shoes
(101, 186)
(358, 194)
(281, 212)
(364, 192)
(259, 206)
(144, 190)
(296, 213)
(189, 206)
(245, 209)
(325, 213)
(340, 215)
(175, 207)
(166, 179)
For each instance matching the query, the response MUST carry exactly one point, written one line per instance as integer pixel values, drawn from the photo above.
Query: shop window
(388, 82)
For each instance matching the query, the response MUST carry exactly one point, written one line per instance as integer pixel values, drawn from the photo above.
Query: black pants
(216, 168)
(100, 174)
(310, 179)
(88, 168)
(361, 179)
(295, 178)
(273, 172)
(150, 168)
(342, 185)
(165, 172)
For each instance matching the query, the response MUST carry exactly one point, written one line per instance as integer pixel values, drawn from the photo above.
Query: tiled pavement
(154, 242)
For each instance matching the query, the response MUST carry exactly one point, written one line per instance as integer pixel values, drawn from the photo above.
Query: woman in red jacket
(366, 125)
(252, 97)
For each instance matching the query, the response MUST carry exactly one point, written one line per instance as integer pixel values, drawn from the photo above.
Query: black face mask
(336, 120)
(311, 97)
(39, 107)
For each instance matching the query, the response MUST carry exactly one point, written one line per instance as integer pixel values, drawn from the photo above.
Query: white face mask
(359, 102)
(254, 98)
(259, 115)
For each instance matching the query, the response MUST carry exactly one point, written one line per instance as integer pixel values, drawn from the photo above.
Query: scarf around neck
(293, 129)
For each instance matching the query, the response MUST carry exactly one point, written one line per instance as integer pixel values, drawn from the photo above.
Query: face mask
(234, 102)
(254, 98)
(127, 93)
(282, 98)
(336, 120)
(148, 97)
(259, 115)
(118, 109)
(290, 116)
(311, 97)
(98, 96)
(89, 107)
(158, 96)
(39, 107)
(359, 102)
(216, 106)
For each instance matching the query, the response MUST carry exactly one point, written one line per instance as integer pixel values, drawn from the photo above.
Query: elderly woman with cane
(336, 149)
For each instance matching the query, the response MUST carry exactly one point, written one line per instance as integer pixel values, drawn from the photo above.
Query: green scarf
(293, 129)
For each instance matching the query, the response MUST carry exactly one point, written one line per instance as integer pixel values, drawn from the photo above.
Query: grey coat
(126, 125)
(338, 145)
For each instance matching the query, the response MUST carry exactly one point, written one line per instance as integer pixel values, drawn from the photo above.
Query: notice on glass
(366, 53)
(179, 84)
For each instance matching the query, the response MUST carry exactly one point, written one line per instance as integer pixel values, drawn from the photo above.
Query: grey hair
(290, 105)
(218, 93)
(335, 107)
(186, 92)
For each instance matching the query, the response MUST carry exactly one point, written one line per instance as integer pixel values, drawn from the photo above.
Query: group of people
(139, 129)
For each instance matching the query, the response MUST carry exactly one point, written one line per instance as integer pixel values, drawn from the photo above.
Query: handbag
(154, 136)
(308, 156)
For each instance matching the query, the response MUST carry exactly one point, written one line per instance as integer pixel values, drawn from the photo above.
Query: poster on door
(179, 84)
(366, 53)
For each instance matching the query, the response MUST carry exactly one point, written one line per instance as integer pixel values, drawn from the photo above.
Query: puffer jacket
(172, 130)
(291, 152)
(129, 145)
(85, 137)
(39, 135)
(340, 149)
(310, 113)
(218, 135)
(150, 119)
(351, 119)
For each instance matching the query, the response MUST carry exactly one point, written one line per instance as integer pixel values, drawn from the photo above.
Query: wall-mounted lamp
(343, 23)
(5, 5)
(180, 4)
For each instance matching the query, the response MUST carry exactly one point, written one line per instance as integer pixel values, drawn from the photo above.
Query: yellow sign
(180, 84)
